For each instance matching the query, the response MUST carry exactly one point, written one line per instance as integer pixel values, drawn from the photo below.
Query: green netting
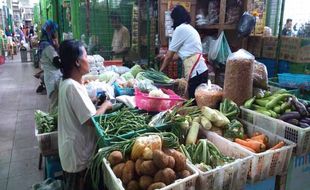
(96, 30)
(92, 25)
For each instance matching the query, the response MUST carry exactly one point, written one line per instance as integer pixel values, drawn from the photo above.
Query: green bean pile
(122, 122)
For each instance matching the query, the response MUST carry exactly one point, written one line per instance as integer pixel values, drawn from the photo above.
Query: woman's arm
(168, 59)
(103, 108)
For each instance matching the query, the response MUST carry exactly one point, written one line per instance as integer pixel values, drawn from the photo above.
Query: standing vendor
(121, 38)
(48, 48)
(187, 44)
(76, 135)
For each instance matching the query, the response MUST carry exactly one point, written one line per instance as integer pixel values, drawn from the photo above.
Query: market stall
(220, 148)
(240, 131)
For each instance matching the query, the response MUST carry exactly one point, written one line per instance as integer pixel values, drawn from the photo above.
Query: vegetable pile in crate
(156, 100)
(219, 167)
(281, 105)
(271, 153)
(147, 162)
(122, 124)
(227, 165)
(292, 113)
(46, 132)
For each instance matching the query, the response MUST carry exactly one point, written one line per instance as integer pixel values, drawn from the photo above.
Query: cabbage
(127, 76)
(108, 77)
(135, 70)
(145, 86)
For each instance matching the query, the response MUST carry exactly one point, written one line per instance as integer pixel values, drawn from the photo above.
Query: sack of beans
(238, 82)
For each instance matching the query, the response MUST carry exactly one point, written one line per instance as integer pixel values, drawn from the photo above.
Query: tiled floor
(19, 154)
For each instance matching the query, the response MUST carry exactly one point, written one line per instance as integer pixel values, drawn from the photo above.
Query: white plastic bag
(219, 49)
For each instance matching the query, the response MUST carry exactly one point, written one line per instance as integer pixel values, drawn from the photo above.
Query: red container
(113, 62)
(153, 104)
(2, 59)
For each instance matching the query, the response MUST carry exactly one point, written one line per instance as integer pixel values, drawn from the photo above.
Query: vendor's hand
(160, 57)
(107, 104)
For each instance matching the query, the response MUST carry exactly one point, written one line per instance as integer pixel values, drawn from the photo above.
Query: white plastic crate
(114, 183)
(268, 163)
(232, 176)
(48, 142)
(290, 132)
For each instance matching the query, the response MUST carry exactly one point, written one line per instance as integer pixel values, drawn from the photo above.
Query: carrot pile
(257, 143)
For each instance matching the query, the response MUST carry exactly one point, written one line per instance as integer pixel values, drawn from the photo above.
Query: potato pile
(160, 169)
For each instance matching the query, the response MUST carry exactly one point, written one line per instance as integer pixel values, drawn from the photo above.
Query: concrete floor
(19, 153)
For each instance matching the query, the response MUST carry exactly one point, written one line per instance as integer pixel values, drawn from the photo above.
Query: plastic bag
(213, 12)
(206, 44)
(94, 87)
(118, 69)
(267, 31)
(49, 184)
(108, 77)
(238, 82)
(219, 49)
(246, 24)
(208, 95)
(260, 75)
(233, 14)
(145, 86)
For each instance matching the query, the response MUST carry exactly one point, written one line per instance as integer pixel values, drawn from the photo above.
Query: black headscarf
(180, 16)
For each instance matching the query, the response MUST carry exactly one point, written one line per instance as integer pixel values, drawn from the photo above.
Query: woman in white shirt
(76, 135)
(186, 43)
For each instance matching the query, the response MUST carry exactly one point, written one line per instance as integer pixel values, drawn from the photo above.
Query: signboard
(173, 3)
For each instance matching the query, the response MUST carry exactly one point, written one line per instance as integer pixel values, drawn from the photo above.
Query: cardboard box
(255, 45)
(289, 48)
(269, 47)
(304, 55)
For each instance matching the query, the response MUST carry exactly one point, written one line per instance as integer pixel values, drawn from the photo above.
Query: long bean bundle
(122, 122)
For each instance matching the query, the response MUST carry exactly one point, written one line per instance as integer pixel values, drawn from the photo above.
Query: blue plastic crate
(268, 184)
(283, 66)
(123, 91)
(53, 167)
(294, 80)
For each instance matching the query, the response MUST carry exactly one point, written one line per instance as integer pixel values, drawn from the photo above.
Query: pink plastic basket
(153, 104)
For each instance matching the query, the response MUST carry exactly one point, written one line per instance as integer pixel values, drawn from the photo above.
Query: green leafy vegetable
(45, 122)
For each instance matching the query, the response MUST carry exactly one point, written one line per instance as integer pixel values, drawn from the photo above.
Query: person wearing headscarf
(48, 47)
(186, 43)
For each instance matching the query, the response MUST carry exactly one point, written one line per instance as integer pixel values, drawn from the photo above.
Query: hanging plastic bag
(246, 24)
(219, 49)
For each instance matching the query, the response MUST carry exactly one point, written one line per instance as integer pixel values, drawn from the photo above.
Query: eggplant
(305, 120)
(293, 122)
(299, 107)
(303, 125)
(290, 115)
(305, 103)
